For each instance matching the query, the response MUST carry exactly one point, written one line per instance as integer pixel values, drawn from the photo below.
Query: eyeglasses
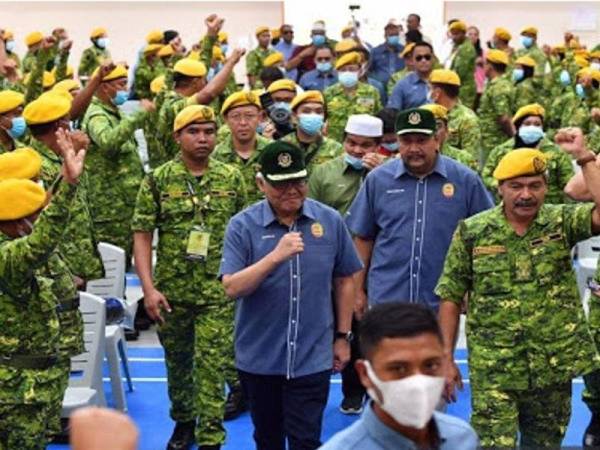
(239, 117)
(423, 57)
(288, 32)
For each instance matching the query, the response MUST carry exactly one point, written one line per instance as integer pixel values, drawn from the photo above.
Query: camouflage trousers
(23, 426)
(540, 415)
(196, 342)
(57, 395)
(231, 373)
(117, 233)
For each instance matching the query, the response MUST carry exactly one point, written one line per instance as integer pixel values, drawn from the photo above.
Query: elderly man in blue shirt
(405, 214)
(324, 75)
(283, 260)
(403, 370)
(385, 59)
(413, 90)
(286, 46)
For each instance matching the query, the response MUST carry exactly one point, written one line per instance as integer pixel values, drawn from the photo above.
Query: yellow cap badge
(448, 190)
(316, 229)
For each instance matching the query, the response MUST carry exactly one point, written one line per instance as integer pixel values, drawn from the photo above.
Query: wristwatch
(348, 335)
(586, 159)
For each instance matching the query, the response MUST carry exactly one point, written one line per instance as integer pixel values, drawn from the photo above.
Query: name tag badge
(197, 246)
(489, 250)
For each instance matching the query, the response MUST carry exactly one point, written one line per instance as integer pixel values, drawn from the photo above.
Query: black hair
(418, 17)
(169, 35)
(528, 72)
(43, 129)
(478, 48)
(498, 67)
(388, 117)
(518, 141)
(182, 80)
(270, 74)
(395, 320)
(449, 89)
(413, 36)
(423, 44)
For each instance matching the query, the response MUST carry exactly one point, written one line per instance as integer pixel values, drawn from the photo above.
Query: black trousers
(286, 409)
(351, 385)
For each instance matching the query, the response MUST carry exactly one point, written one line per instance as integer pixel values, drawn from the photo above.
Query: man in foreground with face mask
(403, 371)
(526, 330)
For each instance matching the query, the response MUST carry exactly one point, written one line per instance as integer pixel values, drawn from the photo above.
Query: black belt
(29, 361)
(68, 305)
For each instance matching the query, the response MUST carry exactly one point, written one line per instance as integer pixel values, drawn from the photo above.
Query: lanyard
(196, 201)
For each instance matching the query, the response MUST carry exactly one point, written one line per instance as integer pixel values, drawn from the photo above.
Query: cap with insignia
(521, 162)
(348, 58)
(364, 125)
(415, 120)
(284, 84)
(307, 97)
(241, 98)
(282, 161)
(193, 114)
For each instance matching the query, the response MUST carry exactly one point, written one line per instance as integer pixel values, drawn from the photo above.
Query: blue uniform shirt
(411, 222)
(370, 433)
(385, 62)
(285, 327)
(287, 50)
(409, 92)
(318, 81)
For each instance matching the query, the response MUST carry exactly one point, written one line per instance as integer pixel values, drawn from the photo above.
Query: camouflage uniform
(224, 152)
(537, 55)
(91, 58)
(144, 74)
(254, 60)
(577, 112)
(172, 104)
(463, 130)
(462, 156)
(115, 171)
(363, 100)
(28, 62)
(559, 167)
(526, 330)
(496, 101)
(323, 150)
(525, 93)
(556, 108)
(196, 332)
(463, 63)
(29, 327)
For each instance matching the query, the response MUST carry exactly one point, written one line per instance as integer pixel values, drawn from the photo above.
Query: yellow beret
(307, 97)
(241, 98)
(275, 33)
(217, 53)
(345, 45)
(459, 25)
(66, 85)
(33, 38)
(348, 27)
(166, 50)
(519, 163)
(261, 30)
(273, 59)
(97, 32)
(407, 49)
(119, 71)
(193, 114)
(444, 76)
(497, 57)
(533, 109)
(530, 30)
(8, 35)
(582, 52)
(348, 58)
(525, 61)
(284, 84)
(153, 48)
(47, 108)
(222, 36)
(503, 34)
(48, 80)
(439, 112)
(589, 72)
(10, 100)
(190, 68)
(68, 73)
(20, 198)
(157, 84)
(581, 61)
(574, 43)
(154, 37)
(595, 54)
(560, 48)
(24, 163)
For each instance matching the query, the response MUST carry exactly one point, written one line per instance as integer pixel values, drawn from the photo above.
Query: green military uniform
(463, 63)
(577, 112)
(28, 61)
(254, 60)
(196, 331)
(91, 58)
(364, 99)
(224, 152)
(525, 93)
(144, 74)
(29, 329)
(114, 169)
(557, 106)
(559, 167)
(318, 152)
(463, 130)
(462, 156)
(496, 101)
(526, 330)
(396, 76)
(537, 55)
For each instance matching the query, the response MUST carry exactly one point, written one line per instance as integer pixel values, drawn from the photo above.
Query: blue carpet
(149, 406)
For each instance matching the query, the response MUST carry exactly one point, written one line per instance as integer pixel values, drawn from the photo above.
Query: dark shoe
(182, 437)
(235, 404)
(352, 405)
(132, 335)
(591, 437)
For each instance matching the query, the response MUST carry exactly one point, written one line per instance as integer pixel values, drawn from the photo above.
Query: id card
(197, 246)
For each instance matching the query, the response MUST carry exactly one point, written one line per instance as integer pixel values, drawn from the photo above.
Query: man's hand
(47, 43)
(308, 51)
(147, 105)
(65, 46)
(453, 380)
(213, 24)
(372, 160)
(572, 141)
(101, 428)
(361, 303)
(80, 140)
(236, 55)
(595, 113)
(73, 160)
(289, 245)
(155, 302)
(341, 354)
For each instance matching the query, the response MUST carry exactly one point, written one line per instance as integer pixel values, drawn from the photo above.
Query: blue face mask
(526, 41)
(530, 134)
(579, 90)
(120, 97)
(102, 42)
(18, 127)
(318, 40)
(310, 123)
(394, 41)
(391, 146)
(518, 74)
(224, 48)
(565, 77)
(348, 79)
(355, 163)
(9, 46)
(324, 67)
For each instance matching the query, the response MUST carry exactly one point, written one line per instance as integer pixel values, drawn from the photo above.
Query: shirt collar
(440, 167)
(414, 78)
(268, 215)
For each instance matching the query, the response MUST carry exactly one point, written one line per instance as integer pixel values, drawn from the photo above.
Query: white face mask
(410, 401)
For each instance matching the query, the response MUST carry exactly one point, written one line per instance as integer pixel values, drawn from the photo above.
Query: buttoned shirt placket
(418, 235)
(294, 311)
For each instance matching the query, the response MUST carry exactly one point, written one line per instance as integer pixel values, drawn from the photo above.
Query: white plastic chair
(88, 390)
(587, 253)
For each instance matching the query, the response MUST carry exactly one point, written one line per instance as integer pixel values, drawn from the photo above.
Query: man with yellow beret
(196, 330)
(8, 38)
(406, 55)
(526, 90)
(12, 123)
(33, 41)
(495, 107)
(29, 326)
(530, 48)
(500, 41)
(255, 58)
(94, 55)
(349, 95)
(275, 59)
(462, 122)
(148, 68)
(287, 47)
(462, 61)
(526, 331)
